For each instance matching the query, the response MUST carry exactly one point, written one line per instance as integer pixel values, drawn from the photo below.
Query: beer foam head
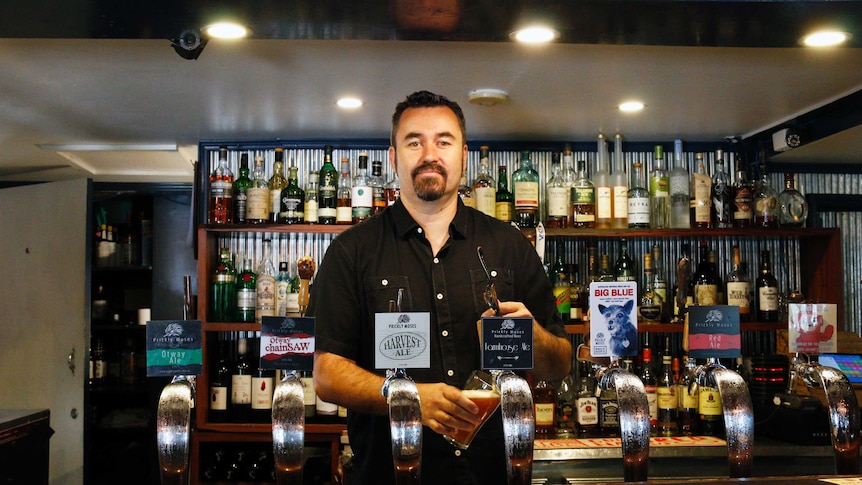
(481, 394)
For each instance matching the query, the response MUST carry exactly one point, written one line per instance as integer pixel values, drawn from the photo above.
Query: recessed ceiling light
(631, 106)
(488, 97)
(535, 35)
(349, 103)
(825, 38)
(227, 30)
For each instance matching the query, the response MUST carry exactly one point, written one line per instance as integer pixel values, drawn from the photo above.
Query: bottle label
(563, 298)
(281, 288)
(709, 403)
(742, 205)
(240, 199)
(240, 389)
(610, 417)
(687, 400)
(659, 186)
(650, 313)
(486, 200)
(343, 214)
(558, 201)
(621, 204)
(257, 204)
(588, 411)
(261, 392)
(603, 202)
(768, 298)
(292, 303)
(652, 402)
(221, 188)
(702, 200)
(265, 297)
(468, 200)
(638, 210)
(99, 369)
(293, 208)
(218, 398)
(527, 195)
(362, 197)
(737, 295)
(245, 299)
(311, 211)
(583, 195)
(706, 295)
(666, 398)
(503, 211)
(275, 201)
(544, 414)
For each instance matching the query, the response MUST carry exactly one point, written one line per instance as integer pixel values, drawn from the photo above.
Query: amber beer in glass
(480, 389)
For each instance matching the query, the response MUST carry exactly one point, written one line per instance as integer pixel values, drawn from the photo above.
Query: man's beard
(429, 188)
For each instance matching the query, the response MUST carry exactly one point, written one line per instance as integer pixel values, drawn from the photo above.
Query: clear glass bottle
(557, 196)
(587, 404)
(743, 192)
(793, 208)
(221, 191)
(650, 383)
(619, 187)
(282, 288)
(624, 268)
(525, 185)
(659, 192)
(701, 196)
(361, 194)
(659, 282)
(465, 192)
(240, 185)
(292, 209)
(564, 408)
(344, 209)
(722, 194)
(266, 290)
(328, 190)
(505, 208)
(705, 280)
(246, 292)
(638, 199)
(257, 195)
(567, 166)
(277, 182)
(583, 200)
(312, 215)
(680, 187)
(223, 289)
(766, 208)
(484, 187)
(667, 401)
(392, 189)
(739, 287)
(767, 291)
(650, 304)
(377, 187)
(602, 182)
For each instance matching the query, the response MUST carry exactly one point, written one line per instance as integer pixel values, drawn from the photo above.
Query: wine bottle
(705, 280)
(240, 397)
(560, 282)
(240, 186)
(220, 377)
(624, 268)
(262, 385)
(767, 291)
(544, 404)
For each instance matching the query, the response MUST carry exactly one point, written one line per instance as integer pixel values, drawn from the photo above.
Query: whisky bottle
(701, 196)
(344, 209)
(587, 404)
(709, 405)
(583, 213)
(624, 268)
(722, 195)
(605, 274)
(767, 291)
(689, 420)
(560, 282)
(265, 296)
(246, 292)
(651, 387)
(223, 289)
(392, 189)
(793, 208)
(743, 212)
(739, 287)
(257, 195)
(558, 196)
(525, 185)
(240, 185)
(292, 207)
(666, 399)
(361, 193)
(276, 183)
(505, 206)
(705, 280)
(659, 283)
(650, 305)
(544, 404)
(578, 295)
(602, 182)
(765, 199)
(609, 413)
(484, 188)
(312, 204)
(638, 199)
(465, 192)
(377, 187)
(564, 408)
(659, 192)
(683, 290)
(619, 187)
(328, 191)
(221, 191)
(240, 384)
(680, 186)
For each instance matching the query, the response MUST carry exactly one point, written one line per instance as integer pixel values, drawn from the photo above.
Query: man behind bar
(426, 245)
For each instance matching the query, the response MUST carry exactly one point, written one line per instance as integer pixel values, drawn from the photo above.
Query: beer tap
(843, 409)
(288, 429)
(173, 424)
(737, 409)
(519, 426)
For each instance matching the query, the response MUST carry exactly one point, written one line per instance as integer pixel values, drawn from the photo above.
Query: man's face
(429, 152)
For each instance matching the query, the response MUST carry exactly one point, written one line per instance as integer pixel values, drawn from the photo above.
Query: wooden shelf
(279, 228)
(664, 233)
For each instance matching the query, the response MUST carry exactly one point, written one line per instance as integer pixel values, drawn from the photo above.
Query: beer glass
(481, 389)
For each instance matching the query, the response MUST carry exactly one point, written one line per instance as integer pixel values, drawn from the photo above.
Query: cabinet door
(43, 312)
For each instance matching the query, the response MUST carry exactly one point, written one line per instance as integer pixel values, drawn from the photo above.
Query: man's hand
(445, 409)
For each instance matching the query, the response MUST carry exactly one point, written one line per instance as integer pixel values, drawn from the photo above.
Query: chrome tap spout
(288, 429)
(405, 425)
(634, 419)
(173, 425)
(519, 426)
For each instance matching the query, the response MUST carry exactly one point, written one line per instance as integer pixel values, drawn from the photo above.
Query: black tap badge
(174, 348)
(713, 331)
(507, 343)
(287, 343)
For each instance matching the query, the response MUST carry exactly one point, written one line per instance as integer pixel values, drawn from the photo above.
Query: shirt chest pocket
(383, 293)
(504, 282)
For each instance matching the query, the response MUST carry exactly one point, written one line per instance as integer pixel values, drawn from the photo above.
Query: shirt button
(436, 261)
(444, 333)
(457, 452)
(439, 296)
(419, 230)
(493, 274)
(384, 282)
(450, 373)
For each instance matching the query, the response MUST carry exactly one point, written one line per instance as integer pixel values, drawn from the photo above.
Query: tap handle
(288, 429)
(516, 404)
(405, 426)
(173, 426)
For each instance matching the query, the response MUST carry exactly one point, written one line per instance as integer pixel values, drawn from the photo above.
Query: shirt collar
(405, 224)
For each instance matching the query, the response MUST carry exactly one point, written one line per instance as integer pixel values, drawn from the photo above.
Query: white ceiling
(79, 91)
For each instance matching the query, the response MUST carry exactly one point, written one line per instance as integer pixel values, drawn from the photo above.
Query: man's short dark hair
(427, 99)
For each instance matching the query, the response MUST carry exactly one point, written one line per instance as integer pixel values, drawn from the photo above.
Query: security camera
(189, 44)
(788, 138)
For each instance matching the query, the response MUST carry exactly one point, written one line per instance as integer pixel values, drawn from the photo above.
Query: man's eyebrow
(416, 134)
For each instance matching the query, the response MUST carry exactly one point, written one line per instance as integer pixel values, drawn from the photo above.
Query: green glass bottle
(505, 208)
(624, 269)
(560, 281)
(240, 185)
(327, 191)
(525, 184)
(292, 200)
(246, 292)
(223, 289)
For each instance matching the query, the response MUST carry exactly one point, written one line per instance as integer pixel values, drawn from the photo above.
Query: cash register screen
(849, 364)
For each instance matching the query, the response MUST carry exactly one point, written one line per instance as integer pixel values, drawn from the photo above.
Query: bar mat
(617, 442)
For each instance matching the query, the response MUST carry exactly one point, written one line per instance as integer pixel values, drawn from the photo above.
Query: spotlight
(189, 44)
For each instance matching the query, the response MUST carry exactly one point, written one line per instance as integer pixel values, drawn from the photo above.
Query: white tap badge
(613, 319)
(402, 340)
(812, 328)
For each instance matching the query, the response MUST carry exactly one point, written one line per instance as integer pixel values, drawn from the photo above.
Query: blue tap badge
(174, 348)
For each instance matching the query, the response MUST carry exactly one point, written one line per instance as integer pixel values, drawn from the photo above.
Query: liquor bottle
(739, 287)
(683, 291)
(651, 387)
(680, 187)
(221, 191)
(326, 412)
(705, 279)
(701, 196)
(666, 399)
(659, 192)
(257, 195)
(624, 268)
(560, 282)
(344, 209)
(505, 206)
(246, 292)
(240, 185)
(638, 199)
(328, 192)
(609, 413)
(587, 404)
(265, 306)
(223, 289)
(361, 194)
(709, 404)
(309, 397)
(659, 282)
(793, 208)
(292, 206)
(578, 295)
(525, 185)
(377, 187)
(743, 212)
(650, 304)
(602, 182)
(765, 201)
(558, 196)
(583, 199)
(619, 187)
(292, 299)
(767, 291)
(262, 385)
(484, 189)
(689, 420)
(276, 184)
(722, 196)
(713, 264)
(220, 377)
(605, 273)
(465, 192)
(544, 404)
(99, 365)
(564, 408)
(282, 288)
(312, 216)
(240, 384)
(392, 190)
